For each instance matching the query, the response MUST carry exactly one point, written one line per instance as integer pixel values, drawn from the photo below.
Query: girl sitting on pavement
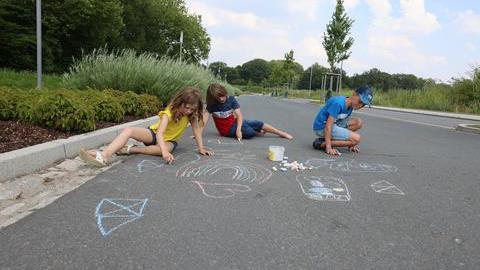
(228, 118)
(161, 138)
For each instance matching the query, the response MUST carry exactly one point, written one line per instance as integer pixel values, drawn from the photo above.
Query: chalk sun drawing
(111, 214)
(386, 188)
(323, 188)
(212, 176)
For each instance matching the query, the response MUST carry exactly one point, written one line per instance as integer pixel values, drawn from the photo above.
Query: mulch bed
(15, 135)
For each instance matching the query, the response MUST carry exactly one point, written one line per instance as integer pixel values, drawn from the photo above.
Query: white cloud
(470, 46)
(390, 38)
(307, 8)
(469, 22)
(351, 4)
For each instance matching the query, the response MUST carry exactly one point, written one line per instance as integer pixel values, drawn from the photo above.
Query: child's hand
(168, 157)
(354, 149)
(205, 152)
(331, 151)
(239, 134)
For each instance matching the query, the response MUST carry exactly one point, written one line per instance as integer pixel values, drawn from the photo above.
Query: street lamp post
(39, 44)
(310, 85)
(181, 44)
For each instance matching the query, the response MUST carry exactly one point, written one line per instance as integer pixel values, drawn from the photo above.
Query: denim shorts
(340, 132)
(249, 129)
(154, 140)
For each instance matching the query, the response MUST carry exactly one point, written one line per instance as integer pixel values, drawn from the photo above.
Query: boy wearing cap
(332, 125)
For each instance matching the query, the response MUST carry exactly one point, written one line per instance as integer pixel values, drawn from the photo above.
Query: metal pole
(39, 44)
(310, 85)
(181, 44)
(341, 75)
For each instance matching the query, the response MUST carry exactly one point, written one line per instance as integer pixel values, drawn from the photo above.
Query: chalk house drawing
(111, 214)
(323, 188)
(223, 178)
(386, 188)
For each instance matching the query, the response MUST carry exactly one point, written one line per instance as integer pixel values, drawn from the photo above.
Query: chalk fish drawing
(211, 176)
(111, 214)
(386, 188)
(323, 188)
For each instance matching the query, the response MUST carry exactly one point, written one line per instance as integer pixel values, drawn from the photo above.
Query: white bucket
(275, 153)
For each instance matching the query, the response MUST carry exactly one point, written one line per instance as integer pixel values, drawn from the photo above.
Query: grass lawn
(28, 80)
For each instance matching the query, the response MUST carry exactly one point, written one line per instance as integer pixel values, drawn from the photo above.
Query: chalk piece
(338, 189)
(274, 169)
(283, 169)
(284, 161)
(285, 157)
(339, 153)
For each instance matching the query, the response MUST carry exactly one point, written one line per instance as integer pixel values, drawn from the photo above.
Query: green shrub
(129, 100)
(106, 107)
(142, 73)
(62, 111)
(148, 105)
(25, 104)
(8, 99)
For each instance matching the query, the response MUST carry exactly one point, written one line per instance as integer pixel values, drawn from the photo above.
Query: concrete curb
(468, 128)
(433, 113)
(30, 159)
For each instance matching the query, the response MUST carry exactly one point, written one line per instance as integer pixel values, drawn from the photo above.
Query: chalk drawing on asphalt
(386, 188)
(221, 190)
(149, 165)
(323, 188)
(111, 214)
(350, 166)
(223, 178)
(225, 142)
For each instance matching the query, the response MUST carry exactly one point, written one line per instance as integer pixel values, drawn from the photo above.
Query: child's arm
(167, 156)
(239, 116)
(197, 132)
(205, 118)
(328, 136)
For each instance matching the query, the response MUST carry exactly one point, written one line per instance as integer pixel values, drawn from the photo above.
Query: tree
(218, 68)
(256, 70)
(317, 75)
(336, 42)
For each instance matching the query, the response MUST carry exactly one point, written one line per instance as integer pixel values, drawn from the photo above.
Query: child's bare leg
(153, 150)
(271, 129)
(139, 134)
(355, 124)
(353, 140)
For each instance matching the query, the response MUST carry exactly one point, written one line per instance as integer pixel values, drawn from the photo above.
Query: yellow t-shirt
(175, 129)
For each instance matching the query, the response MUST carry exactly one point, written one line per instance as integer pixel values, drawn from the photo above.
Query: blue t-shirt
(222, 114)
(336, 107)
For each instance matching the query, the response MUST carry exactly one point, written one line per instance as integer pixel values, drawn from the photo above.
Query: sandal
(96, 161)
(125, 151)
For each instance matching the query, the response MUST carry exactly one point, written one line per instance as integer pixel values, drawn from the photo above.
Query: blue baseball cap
(365, 94)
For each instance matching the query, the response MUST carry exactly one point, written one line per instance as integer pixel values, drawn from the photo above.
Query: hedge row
(71, 110)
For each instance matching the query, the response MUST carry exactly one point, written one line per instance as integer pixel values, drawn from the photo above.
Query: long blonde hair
(190, 96)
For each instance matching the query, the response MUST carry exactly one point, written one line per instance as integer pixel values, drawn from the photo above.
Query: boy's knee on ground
(354, 138)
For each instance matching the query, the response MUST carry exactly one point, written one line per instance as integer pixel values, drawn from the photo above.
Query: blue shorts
(340, 132)
(154, 140)
(249, 129)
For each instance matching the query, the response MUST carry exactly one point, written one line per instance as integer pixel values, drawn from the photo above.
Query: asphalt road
(409, 200)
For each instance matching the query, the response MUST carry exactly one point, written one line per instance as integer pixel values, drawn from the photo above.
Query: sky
(437, 39)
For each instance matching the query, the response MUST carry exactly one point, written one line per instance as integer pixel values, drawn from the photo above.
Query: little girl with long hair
(160, 138)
